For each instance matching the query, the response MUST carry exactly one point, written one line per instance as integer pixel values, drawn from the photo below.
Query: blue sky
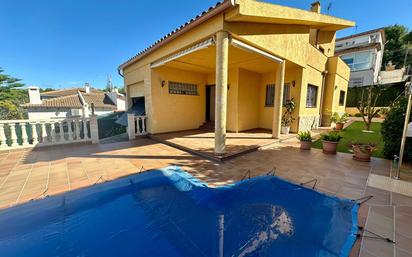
(66, 43)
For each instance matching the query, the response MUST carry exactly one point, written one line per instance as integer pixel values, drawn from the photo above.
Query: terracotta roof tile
(68, 91)
(70, 101)
(99, 100)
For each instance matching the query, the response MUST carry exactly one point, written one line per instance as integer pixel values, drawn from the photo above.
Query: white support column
(34, 135)
(144, 125)
(44, 133)
(24, 135)
(78, 128)
(3, 138)
(61, 132)
(13, 137)
(277, 108)
(53, 132)
(222, 56)
(131, 126)
(94, 129)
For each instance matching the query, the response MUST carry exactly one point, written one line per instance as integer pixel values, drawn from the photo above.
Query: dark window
(270, 95)
(180, 88)
(342, 98)
(286, 93)
(311, 96)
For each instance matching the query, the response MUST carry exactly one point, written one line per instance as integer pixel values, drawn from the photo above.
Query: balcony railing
(30, 133)
(136, 126)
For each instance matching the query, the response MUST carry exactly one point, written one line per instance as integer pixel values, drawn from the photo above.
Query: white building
(73, 102)
(363, 53)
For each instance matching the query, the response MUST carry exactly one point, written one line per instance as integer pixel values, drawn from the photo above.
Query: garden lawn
(354, 133)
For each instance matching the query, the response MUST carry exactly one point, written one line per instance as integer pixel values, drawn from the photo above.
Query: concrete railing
(136, 126)
(29, 133)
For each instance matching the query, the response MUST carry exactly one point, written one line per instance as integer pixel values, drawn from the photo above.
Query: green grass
(354, 133)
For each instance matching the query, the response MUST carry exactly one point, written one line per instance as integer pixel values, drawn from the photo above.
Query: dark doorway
(210, 103)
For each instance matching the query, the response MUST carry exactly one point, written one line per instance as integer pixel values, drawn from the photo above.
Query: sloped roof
(70, 101)
(68, 91)
(99, 100)
(213, 10)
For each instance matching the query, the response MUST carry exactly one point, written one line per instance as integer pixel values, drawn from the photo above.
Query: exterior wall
(336, 81)
(286, 41)
(173, 112)
(49, 113)
(248, 110)
(100, 111)
(309, 116)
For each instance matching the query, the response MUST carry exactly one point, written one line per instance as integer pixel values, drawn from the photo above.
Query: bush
(392, 129)
(305, 136)
(332, 136)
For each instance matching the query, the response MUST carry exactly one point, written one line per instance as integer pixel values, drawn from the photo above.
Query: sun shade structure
(169, 213)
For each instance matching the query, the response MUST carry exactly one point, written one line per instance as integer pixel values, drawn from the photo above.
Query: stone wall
(308, 122)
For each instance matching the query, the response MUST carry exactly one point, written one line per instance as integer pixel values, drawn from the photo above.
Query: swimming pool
(167, 212)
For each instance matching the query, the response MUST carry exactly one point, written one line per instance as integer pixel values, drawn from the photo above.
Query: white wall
(49, 113)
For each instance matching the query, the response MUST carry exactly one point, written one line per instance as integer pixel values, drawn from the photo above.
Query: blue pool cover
(169, 213)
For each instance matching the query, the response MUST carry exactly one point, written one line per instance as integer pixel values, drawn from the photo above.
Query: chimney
(315, 7)
(87, 87)
(34, 95)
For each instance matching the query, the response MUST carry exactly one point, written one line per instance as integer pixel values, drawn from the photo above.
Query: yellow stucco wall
(336, 81)
(173, 112)
(248, 100)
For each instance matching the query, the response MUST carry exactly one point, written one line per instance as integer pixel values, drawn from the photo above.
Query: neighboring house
(235, 65)
(363, 53)
(73, 102)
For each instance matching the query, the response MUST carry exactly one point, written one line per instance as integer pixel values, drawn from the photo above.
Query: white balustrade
(25, 133)
(136, 126)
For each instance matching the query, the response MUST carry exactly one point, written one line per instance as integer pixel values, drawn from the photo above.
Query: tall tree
(397, 38)
(11, 96)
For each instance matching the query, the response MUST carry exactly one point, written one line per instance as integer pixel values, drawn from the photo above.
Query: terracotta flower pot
(362, 153)
(339, 126)
(329, 147)
(305, 145)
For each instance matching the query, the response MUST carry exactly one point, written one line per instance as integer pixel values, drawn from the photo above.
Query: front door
(210, 102)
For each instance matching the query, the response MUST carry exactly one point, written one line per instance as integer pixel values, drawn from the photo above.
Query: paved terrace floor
(35, 173)
(202, 143)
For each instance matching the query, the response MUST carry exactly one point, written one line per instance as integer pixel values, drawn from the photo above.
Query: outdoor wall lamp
(163, 83)
(293, 83)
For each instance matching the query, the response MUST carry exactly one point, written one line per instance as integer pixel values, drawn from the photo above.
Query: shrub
(392, 129)
(332, 136)
(336, 118)
(305, 136)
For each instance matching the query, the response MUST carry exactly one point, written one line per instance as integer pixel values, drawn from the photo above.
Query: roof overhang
(210, 42)
(261, 12)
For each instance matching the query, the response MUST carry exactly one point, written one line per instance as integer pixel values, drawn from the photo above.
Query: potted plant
(305, 139)
(339, 120)
(287, 118)
(330, 142)
(363, 151)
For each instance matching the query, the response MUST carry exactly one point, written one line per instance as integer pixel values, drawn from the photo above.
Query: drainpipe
(322, 96)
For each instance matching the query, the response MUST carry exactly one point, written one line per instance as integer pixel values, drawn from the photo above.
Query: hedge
(388, 94)
(392, 129)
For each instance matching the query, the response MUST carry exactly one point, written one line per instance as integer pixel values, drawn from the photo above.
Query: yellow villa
(225, 67)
